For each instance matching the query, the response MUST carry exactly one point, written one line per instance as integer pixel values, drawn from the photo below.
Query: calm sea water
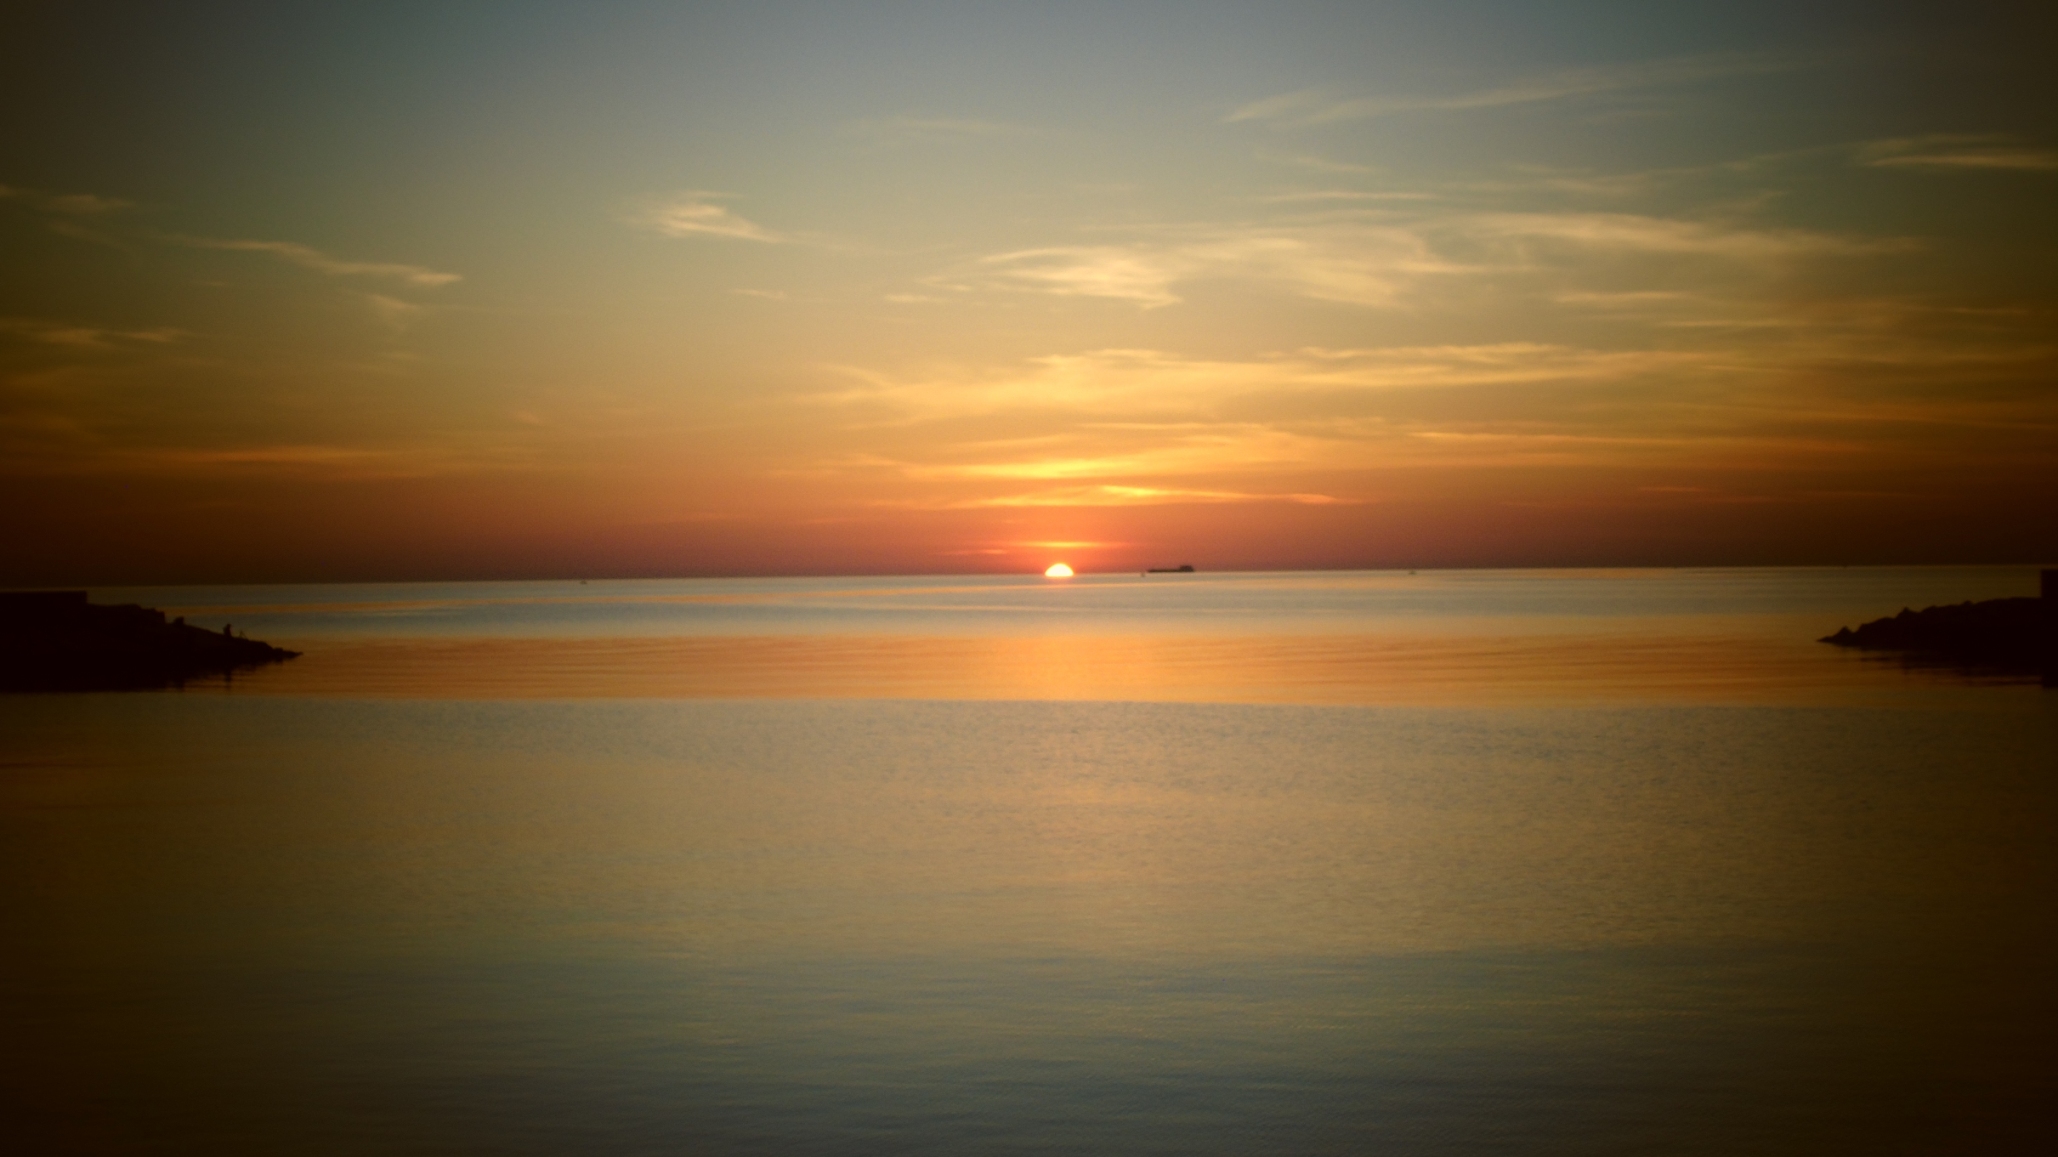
(1550, 862)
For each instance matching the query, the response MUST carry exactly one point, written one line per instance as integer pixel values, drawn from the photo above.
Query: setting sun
(1058, 570)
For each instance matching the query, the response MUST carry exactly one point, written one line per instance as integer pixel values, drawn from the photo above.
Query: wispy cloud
(1389, 257)
(1113, 464)
(84, 204)
(1119, 272)
(68, 214)
(70, 204)
(398, 314)
(1168, 453)
(326, 461)
(1220, 444)
(1640, 304)
(85, 336)
(1528, 180)
(1630, 232)
(304, 456)
(1297, 105)
(1345, 196)
(1945, 153)
(1113, 495)
(1350, 262)
(1157, 387)
(1314, 106)
(700, 215)
(308, 257)
(1858, 380)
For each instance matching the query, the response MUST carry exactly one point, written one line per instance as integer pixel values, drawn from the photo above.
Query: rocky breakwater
(57, 641)
(2008, 635)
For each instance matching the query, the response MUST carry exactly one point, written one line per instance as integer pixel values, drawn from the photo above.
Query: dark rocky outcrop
(1999, 634)
(57, 641)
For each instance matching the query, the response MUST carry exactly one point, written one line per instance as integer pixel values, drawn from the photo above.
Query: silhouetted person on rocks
(57, 641)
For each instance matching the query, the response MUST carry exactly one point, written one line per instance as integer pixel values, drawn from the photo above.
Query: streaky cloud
(69, 204)
(85, 336)
(1347, 262)
(84, 204)
(1388, 258)
(1638, 233)
(1314, 107)
(1945, 153)
(1155, 386)
(1317, 196)
(308, 257)
(1110, 271)
(700, 215)
(400, 315)
(1282, 106)
(1115, 495)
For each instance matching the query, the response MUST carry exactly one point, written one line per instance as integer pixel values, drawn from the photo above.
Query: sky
(518, 290)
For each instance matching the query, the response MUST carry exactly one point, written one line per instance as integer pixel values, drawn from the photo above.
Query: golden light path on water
(1338, 669)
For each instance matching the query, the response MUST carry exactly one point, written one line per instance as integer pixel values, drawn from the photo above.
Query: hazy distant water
(1473, 863)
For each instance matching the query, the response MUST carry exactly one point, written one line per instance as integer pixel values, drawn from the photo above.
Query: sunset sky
(403, 291)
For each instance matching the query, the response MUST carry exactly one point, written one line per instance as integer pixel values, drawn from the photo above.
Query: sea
(1448, 862)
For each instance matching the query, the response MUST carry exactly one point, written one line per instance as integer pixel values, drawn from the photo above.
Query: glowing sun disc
(1058, 570)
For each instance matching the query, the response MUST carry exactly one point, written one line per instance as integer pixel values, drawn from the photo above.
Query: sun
(1058, 570)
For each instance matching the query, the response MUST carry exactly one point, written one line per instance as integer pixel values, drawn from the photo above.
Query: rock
(2004, 634)
(57, 641)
